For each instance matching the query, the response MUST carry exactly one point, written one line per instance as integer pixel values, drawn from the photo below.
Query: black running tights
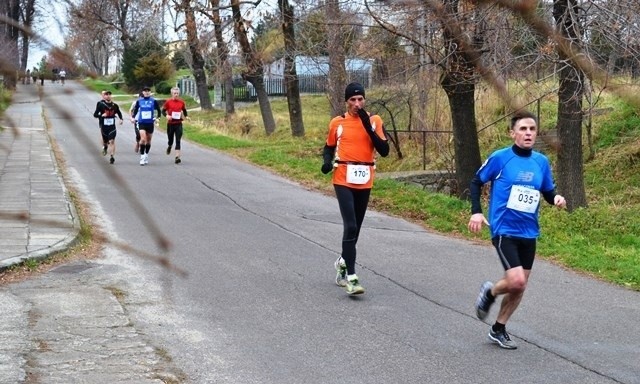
(174, 130)
(353, 206)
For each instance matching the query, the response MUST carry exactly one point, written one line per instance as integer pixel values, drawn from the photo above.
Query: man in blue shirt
(519, 177)
(146, 120)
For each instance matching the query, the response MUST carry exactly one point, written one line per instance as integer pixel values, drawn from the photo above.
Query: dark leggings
(174, 129)
(137, 132)
(353, 205)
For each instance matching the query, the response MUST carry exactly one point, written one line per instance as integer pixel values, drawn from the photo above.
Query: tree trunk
(570, 96)
(24, 54)
(290, 75)
(337, 56)
(223, 58)
(459, 83)
(229, 101)
(10, 53)
(254, 72)
(198, 61)
(105, 64)
(461, 95)
(28, 14)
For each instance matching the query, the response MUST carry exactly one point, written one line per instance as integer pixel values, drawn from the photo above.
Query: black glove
(327, 159)
(381, 145)
(366, 121)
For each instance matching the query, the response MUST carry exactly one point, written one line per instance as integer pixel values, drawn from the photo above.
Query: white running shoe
(146, 158)
(353, 285)
(141, 159)
(341, 272)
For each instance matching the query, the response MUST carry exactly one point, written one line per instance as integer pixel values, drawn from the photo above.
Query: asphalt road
(259, 304)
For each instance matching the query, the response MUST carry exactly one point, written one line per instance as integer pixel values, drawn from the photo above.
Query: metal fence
(244, 91)
(188, 87)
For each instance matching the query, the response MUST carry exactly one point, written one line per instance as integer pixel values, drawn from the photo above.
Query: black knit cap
(353, 89)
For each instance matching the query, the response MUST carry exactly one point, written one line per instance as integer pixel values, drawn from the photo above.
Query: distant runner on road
(146, 120)
(134, 119)
(105, 140)
(176, 111)
(107, 111)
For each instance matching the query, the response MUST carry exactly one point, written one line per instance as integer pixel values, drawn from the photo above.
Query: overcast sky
(52, 21)
(50, 25)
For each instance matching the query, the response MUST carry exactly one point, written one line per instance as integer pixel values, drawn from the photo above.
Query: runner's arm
(98, 112)
(549, 196)
(475, 189)
(118, 112)
(381, 145)
(134, 110)
(328, 153)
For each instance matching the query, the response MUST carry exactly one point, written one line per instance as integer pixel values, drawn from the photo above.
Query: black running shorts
(515, 251)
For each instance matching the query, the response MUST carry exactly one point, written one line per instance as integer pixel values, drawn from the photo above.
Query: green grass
(99, 85)
(5, 99)
(122, 97)
(600, 240)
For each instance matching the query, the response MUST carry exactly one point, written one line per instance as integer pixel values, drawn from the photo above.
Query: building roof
(319, 65)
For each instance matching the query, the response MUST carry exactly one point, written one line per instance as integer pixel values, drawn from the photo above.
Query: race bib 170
(358, 174)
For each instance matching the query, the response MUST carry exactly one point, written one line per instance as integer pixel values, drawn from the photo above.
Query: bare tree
(9, 58)
(223, 58)
(254, 72)
(125, 17)
(95, 52)
(27, 14)
(196, 55)
(290, 75)
(335, 43)
(570, 96)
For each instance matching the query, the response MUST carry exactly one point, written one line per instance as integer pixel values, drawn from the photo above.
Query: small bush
(164, 87)
(5, 98)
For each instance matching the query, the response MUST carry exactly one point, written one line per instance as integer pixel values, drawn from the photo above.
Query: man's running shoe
(353, 286)
(178, 161)
(341, 272)
(142, 160)
(146, 158)
(502, 338)
(168, 150)
(137, 147)
(112, 160)
(104, 151)
(483, 303)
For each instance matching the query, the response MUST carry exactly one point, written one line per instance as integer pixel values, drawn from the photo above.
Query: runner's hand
(476, 221)
(559, 201)
(366, 120)
(326, 168)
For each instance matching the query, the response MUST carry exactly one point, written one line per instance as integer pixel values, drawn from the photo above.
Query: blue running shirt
(516, 183)
(146, 108)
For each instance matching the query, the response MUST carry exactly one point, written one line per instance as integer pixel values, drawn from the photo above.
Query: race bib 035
(523, 199)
